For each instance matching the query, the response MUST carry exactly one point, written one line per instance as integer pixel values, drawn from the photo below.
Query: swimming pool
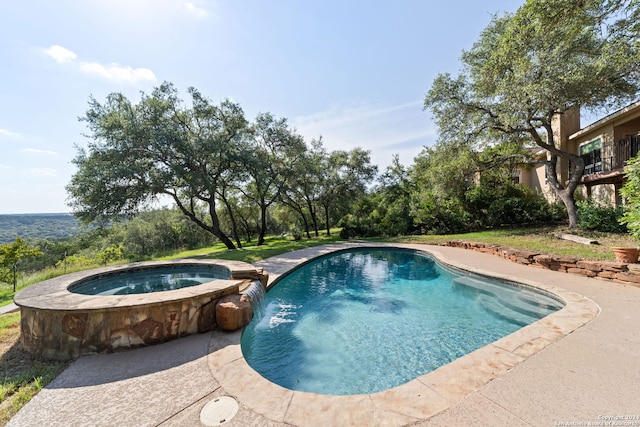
(366, 320)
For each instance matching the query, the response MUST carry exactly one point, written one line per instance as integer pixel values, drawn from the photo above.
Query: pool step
(517, 305)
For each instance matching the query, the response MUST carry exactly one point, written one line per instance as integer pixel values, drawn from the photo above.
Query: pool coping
(414, 401)
(54, 294)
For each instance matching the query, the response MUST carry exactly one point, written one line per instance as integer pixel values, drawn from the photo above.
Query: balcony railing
(624, 149)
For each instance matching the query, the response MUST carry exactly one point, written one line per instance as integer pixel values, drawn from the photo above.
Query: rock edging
(619, 272)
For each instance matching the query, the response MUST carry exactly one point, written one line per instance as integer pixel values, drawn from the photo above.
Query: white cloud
(195, 11)
(41, 172)
(114, 72)
(5, 132)
(37, 151)
(385, 130)
(118, 73)
(60, 54)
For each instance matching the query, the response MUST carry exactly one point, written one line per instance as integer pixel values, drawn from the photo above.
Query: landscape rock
(233, 312)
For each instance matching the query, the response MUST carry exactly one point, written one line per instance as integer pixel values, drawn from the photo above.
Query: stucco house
(605, 146)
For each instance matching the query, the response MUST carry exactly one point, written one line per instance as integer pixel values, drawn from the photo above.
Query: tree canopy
(526, 68)
(10, 255)
(156, 147)
(214, 164)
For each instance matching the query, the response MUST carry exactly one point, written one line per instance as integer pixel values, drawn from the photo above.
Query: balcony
(623, 150)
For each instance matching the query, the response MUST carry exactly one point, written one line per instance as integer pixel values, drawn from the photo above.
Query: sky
(352, 71)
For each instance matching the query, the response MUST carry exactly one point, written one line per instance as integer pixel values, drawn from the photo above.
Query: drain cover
(219, 411)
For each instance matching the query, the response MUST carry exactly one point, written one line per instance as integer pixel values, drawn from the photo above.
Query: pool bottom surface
(364, 321)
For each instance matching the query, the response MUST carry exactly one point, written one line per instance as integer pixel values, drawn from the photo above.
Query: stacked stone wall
(59, 324)
(616, 271)
(66, 335)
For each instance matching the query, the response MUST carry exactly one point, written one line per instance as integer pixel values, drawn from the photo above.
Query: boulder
(233, 312)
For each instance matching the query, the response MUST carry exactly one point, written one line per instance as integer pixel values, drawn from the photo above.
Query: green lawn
(540, 239)
(274, 246)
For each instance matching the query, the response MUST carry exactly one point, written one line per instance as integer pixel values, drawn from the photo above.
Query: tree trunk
(572, 208)
(15, 277)
(217, 231)
(247, 227)
(263, 224)
(305, 222)
(296, 207)
(566, 194)
(234, 226)
(326, 217)
(215, 221)
(214, 228)
(314, 217)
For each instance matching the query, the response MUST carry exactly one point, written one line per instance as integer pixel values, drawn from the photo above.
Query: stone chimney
(563, 125)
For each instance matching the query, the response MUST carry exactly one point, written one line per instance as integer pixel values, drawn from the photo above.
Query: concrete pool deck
(556, 375)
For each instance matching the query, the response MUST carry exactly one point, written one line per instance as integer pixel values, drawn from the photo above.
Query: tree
(157, 147)
(10, 255)
(303, 185)
(394, 199)
(385, 210)
(272, 153)
(110, 253)
(345, 177)
(526, 69)
(631, 192)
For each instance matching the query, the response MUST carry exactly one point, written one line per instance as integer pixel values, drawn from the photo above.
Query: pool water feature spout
(257, 295)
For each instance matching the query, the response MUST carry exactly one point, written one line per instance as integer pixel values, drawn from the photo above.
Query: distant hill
(38, 226)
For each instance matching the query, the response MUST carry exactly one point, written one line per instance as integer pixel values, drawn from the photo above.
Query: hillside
(37, 226)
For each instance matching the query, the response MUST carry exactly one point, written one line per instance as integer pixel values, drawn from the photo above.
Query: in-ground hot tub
(57, 322)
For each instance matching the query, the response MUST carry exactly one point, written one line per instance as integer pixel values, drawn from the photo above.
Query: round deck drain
(219, 411)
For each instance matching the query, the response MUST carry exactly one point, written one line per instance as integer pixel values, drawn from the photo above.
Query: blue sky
(354, 72)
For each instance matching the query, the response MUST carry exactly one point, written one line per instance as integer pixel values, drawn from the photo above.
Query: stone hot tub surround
(59, 324)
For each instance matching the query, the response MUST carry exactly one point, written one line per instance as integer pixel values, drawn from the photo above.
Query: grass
(540, 239)
(6, 290)
(274, 246)
(250, 253)
(24, 375)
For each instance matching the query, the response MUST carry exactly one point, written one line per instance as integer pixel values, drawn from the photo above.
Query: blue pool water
(149, 280)
(367, 320)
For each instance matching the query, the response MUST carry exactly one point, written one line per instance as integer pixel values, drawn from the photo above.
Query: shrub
(433, 215)
(596, 217)
(631, 192)
(506, 204)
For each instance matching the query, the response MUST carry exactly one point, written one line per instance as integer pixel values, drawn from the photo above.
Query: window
(591, 153)
(516, 176)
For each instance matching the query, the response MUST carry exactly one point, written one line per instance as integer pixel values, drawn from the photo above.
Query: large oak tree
(157, 147)
(526, 68)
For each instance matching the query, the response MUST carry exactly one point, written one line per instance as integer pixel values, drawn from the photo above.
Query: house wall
(564, 125)
(628, 128)
(605, 186)
(604, 194)
(533, 176)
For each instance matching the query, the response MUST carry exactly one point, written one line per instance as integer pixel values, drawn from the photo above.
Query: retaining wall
(616, 271)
